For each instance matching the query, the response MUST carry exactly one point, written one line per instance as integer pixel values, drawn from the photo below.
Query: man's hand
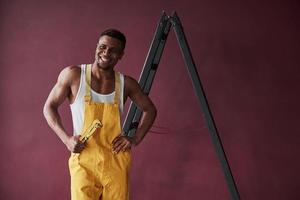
(122, 143)
(74, 144)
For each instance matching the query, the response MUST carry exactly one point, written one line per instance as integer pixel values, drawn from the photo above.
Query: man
(99, 163)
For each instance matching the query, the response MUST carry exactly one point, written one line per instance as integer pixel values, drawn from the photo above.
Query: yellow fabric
(97, 173)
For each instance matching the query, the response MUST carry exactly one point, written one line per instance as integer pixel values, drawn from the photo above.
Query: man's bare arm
(57, 96)
(143, 102)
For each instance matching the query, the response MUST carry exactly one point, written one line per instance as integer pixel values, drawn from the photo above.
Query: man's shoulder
(130, 83)
(72, 70)
(129, 80)
(70, 73)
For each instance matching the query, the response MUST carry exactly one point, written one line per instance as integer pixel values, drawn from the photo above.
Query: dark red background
(247, 55)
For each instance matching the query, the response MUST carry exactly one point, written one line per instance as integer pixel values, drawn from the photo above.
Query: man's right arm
(57, 96)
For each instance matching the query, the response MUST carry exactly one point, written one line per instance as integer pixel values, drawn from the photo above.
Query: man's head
(110, 48)
(114, 33)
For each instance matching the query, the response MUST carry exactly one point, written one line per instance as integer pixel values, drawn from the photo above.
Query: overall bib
(97, 173)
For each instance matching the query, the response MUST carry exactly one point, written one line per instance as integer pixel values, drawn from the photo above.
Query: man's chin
(103, 65)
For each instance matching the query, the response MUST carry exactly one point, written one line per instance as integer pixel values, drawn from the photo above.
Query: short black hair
(115, 34)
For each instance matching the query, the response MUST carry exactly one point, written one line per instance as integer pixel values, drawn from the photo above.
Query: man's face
(109, 51)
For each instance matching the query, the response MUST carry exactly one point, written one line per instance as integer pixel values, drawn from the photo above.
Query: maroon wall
(247, 54)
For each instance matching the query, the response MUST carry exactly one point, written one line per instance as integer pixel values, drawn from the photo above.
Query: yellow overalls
(97, 173)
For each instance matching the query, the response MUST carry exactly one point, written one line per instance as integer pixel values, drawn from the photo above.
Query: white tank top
(77, 107)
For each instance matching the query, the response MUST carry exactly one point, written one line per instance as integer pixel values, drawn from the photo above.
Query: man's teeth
(104, 59)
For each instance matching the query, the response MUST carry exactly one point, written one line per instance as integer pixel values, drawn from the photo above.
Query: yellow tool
(90, 130)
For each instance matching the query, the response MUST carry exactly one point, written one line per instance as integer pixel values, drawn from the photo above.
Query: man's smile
(104, 59)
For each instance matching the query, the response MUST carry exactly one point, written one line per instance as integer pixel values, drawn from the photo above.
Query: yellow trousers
(97, 173)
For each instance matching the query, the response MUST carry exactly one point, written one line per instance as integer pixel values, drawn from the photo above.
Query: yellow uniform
(97, 173)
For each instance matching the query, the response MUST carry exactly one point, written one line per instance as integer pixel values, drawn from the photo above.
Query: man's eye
(116, 51)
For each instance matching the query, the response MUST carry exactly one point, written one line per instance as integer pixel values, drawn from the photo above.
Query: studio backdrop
(247, 56)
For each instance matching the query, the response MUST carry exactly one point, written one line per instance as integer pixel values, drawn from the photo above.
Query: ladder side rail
(151, 74)
(162, 30)
(158, 37)
(204, 106)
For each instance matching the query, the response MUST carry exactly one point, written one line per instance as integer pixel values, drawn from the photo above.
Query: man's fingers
(127, 147)
(116, 139)
(117, 143)
(123, 146)
(119, 147)
(78, 149)
(79, 146)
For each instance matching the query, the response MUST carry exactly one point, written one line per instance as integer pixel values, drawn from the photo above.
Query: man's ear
(121, 55)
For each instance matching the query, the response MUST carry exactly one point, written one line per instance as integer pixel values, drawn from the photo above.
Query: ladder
(146, 79)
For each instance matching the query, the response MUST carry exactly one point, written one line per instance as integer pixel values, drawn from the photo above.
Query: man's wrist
(65, 139)
(135, 141)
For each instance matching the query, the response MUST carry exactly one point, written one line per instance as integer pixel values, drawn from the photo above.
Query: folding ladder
(146, 79)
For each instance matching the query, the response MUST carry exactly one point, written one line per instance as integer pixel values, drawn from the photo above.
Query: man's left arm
(143, 102)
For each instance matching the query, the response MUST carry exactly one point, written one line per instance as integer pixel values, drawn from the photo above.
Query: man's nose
(106, 52)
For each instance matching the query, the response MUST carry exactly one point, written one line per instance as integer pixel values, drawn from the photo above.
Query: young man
(99, 164)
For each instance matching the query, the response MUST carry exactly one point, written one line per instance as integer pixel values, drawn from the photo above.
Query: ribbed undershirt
(77, 107)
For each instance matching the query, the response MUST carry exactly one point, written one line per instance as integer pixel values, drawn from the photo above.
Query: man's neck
(100, 73)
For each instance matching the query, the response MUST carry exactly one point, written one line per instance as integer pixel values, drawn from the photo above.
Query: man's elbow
(46, 110)
(153, 111)
(150, 110)
(49, 114)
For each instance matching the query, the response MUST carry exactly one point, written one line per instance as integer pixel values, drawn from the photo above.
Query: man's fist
(74, 144)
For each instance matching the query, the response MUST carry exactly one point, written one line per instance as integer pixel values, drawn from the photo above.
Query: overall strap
(88, 75)
(117, 87)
